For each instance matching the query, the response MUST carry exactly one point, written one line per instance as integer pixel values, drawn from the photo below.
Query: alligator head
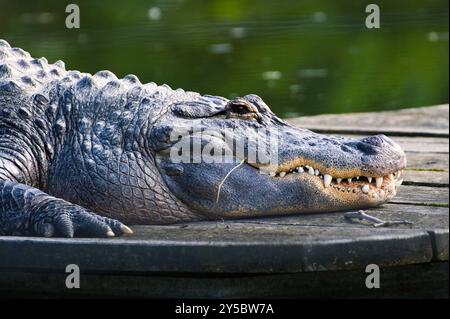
(237, 158)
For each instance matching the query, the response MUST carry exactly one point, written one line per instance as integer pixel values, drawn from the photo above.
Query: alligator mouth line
(375, 187)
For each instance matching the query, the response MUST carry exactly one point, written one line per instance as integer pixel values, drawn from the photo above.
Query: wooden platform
(297, 256)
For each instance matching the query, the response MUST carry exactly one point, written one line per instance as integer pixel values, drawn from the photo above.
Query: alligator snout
(373, 156)
(374, 145)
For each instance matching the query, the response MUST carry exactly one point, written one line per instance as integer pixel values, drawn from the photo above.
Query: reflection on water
(302, 57)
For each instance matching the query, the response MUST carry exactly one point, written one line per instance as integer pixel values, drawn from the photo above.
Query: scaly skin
(79, 151)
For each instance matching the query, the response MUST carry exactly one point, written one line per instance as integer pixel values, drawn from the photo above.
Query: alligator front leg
(27, 211)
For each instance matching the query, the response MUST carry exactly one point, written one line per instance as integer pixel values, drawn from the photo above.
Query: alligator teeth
(369, 179)
(357, 178)
(398, 182)
(365, 189)
(282, 174)
(327, 180)
(349, 180)
(338, 180)
(316, 172)
(300, 169)
(310, 171)
(272, 174)
(379, 181)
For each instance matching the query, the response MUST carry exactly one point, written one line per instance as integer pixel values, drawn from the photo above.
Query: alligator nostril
(377, 140)
(345, 149)
(364, 147)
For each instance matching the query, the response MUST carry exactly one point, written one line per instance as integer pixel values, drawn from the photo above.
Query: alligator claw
(110, 234)
(126, 230)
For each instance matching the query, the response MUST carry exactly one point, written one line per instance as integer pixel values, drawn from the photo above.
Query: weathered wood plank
(422, 218)
(440, 241)
(423, 144)
(428, 161)
(217, 248)
(426, 121)
(416, 144)
(433, 219)
(422, 195)
(425, 178)
(412, 281)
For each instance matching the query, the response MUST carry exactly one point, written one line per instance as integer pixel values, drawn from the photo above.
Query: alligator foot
(62, 219)
(27, 211)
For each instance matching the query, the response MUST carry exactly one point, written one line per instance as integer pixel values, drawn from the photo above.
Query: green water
(302, 57)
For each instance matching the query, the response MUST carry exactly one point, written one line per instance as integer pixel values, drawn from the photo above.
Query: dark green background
(302, 57)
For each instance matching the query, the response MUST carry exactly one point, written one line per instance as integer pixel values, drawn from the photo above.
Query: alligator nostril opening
(362, 147)
(367, 149)
(346, 149)
(377, 140)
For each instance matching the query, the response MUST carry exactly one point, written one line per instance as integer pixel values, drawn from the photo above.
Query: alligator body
(79, 152)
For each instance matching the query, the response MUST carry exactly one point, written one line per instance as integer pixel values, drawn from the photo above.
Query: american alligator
(78, 152)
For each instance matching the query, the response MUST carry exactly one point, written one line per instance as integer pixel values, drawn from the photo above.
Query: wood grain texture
(424, 195)
(415, 144)
(426, 121)
(224, 248)
(427, 161)
(412, 281)
(426, 178)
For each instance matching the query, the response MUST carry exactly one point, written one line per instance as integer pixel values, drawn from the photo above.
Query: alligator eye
(240, 108)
